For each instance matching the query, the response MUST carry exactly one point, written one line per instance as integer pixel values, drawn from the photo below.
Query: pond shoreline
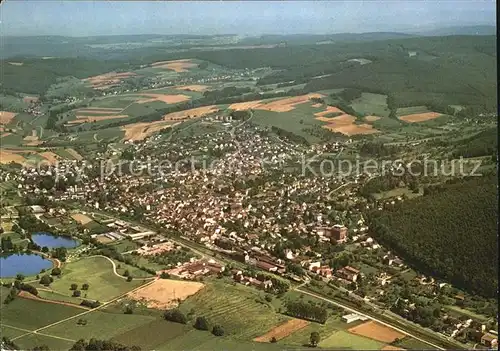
(13, 263)
(11, 259)
(51, 241)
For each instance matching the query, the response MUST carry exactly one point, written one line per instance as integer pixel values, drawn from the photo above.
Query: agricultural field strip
(86, 312)
(367, 316)
(203, 255)
(29, 332)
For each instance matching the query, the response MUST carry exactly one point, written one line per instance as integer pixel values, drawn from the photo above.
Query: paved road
(367, 316)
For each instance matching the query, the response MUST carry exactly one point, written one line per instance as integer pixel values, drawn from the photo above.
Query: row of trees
(101, 345)
(307, 311)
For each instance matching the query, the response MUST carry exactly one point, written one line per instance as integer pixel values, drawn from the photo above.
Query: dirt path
(27, 295)
(36, 331)
(55, 261)
(114, 268)
(48, 335)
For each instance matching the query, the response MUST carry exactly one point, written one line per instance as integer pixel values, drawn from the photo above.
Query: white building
(349, 318)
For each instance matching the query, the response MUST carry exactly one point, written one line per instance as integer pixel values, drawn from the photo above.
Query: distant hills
(117, 46)
(459, 30)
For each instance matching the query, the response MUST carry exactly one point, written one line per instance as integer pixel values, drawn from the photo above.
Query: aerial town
(264, 192)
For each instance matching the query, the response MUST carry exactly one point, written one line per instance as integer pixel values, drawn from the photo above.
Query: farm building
(37, 209)
(349, 318)
(137, 236)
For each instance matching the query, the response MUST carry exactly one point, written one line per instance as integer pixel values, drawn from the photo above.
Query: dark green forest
(451, 233)
(35, 76)
(484, 143)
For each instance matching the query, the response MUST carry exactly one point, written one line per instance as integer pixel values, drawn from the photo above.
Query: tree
(395, 341)
(128, 310)
(314, 339)
(45, 280)
(77, 293)
(85, 286)
(74, 286)
(273, 340)
(164, 275)
(175, 315)
(217, 330)
(129, 278)
(45, 249)
(56, 271)
(6, 244)
(126, 273)
(201, 323)
(95, 344)
(20, 277)
(60, 253)
(41, 348)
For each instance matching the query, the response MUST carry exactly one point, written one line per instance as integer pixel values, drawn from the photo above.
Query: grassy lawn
(135, 110)
(371, 104)
(412, 344)
(152, 334)
(104, 134)
(133, 271)
(113, 102)
(465, 312)
(30, 314)
(98, 273)
(332, 325)
(291, 120)
(395, 193)
(57, 296)
(15, 237)
(10, 332)
(203, 340)
(99, 324)
(240, 310)
(409, 275)
(28, 342)
(144, 262)
(403, 111)
(124, 245)
(344, 340)
(387, 124)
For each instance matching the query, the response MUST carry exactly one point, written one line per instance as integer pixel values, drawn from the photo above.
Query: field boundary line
(43, 334)
(36, 331)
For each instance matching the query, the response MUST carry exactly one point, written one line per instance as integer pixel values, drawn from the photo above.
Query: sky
(89, 18)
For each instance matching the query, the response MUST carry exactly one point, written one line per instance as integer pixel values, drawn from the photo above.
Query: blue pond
(22, 264)
(51, 241)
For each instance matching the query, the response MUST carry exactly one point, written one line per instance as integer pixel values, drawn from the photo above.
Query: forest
(451, 233)
(456, 69)
(35, 76)
(484, 143)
